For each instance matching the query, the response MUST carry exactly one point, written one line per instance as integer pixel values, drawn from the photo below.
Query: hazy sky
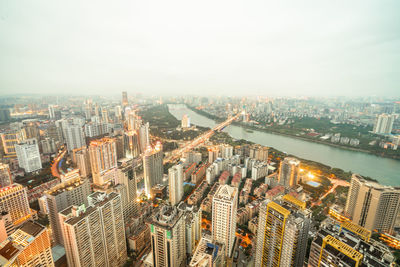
(310, 47)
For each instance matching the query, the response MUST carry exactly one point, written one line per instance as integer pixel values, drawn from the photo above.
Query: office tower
(28, 246)
(153, 167)
(167, 229)
(124, 99)
(71, 192)
(224, 208)
(83, 162)
(5, 175)
(74, 136)
(28, 155)
(95, 235)
(119, 143)
(14, 200)
(208, 253)
(132, 121)
(6, 226)
(289, 172)
(103, 159)
(52, 114)
(127, 177)
(348, 245)
(384, 123)
(282, 233)
(48, 146)
(144, 137)
(175, 179)
(131, 145)
(9, 140)
(372, 205)
(185, 121)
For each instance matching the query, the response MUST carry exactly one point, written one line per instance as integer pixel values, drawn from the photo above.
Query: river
(385, 170)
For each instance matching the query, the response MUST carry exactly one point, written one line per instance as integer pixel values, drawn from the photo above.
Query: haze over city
(208, 47)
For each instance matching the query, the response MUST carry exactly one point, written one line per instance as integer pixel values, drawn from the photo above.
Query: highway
(56, 160)
(176, 154)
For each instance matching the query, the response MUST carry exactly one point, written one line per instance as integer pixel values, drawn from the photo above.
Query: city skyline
(258, 48)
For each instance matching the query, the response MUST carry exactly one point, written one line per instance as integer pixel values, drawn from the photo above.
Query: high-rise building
(5, 175)
(28, 155)
(74, 136)
(208, 253)
(14, 200)
(282, 233)
(53, 133)
(104, 115)
(131, 144)
(153, 167)
(289, 172)
(372, 205)
(103, 159)
(5, 114)
(144, 137)
(48, 146)
(72, 192)
(127, 177)
(167, 229)
(192, 217)
(28, 246)
(175, 179)
(185, 121)
(9, 140)
(95, 236)
(93, 129)
(224, 208)
(348, 245)
(52, 114)
(124, 98)
(384, 123)
(83, 162)
(31, 129)
(6, 226)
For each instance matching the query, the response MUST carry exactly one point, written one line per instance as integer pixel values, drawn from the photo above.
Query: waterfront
(385, 170)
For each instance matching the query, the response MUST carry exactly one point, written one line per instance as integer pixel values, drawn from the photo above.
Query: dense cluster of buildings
(114, 198)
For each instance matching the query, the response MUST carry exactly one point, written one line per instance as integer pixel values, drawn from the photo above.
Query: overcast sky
(266, 47)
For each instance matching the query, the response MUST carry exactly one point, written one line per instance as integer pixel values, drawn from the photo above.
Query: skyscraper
(83, 162)
(14, 200)
(384, 123)
(28, 155)
(153, 167)
(144, 137)
(289, 172)
(124, 99)
(224, 208)
(28, 246)
(52, 114)
(103, 159)
(71, 192)
(131, 144)
(5, 175)
(126, 177)
(372, 205)
(167, 229)
(74, 136)
(175, 179)
(282, 233)
(95, 236)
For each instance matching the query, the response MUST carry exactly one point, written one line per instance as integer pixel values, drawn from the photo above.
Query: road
(176, 154)
(56, 160)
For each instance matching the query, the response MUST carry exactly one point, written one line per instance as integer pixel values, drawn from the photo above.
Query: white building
(175, 178)
(28, 155)
(384, 123)
(74, 136)
(224, 209)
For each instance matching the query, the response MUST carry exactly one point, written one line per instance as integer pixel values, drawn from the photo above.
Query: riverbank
(271, 131)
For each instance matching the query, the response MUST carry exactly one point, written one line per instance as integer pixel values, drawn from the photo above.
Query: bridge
(176, 154)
